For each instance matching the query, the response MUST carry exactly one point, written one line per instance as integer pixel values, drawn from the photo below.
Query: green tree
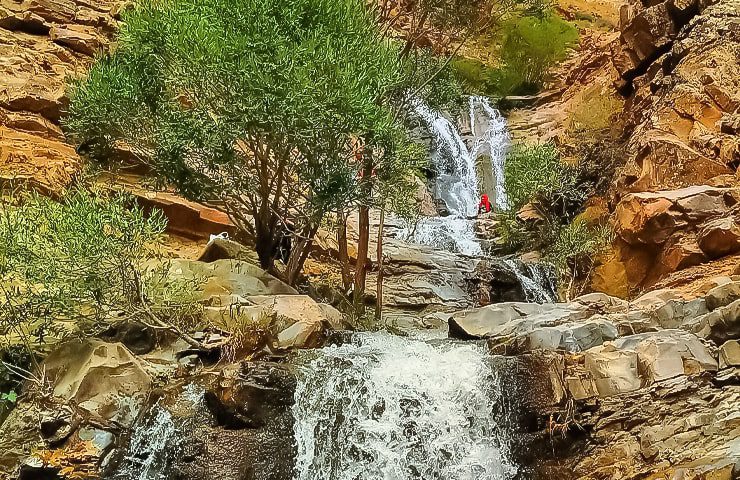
(251, 105)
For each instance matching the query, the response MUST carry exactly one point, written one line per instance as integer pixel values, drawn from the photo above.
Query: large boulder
(720, 236)
(227, 278)
(104, 379)
(652, 217)
(302, 323)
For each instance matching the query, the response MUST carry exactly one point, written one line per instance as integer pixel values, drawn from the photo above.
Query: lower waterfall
(385, 407)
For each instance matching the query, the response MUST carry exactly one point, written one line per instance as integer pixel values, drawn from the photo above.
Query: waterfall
(457, 183)
(536, 280)
(154, 443)
(492, 139)
(385, 407)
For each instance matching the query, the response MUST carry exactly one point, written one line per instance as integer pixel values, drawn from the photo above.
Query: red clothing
(485, 205)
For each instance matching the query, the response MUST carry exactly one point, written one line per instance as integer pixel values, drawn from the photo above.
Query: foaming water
(385, 407)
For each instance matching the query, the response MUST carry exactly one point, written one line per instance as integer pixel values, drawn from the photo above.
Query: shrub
(576, 248)
(69, 267)
(535, 173)
(530, 47)
(555, 192)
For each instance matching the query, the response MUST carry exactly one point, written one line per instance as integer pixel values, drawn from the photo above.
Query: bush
(535, 173)
(554, 192)
(530, 47)
(576, 247)
(68, 268)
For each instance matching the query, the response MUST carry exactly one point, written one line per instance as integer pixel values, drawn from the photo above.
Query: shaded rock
(236, 422)
(723, 295)
(720, 236)
(720, 325)
(225, 249)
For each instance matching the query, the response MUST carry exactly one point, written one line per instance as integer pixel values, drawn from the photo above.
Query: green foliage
(530, 47)
(577, 246)
(256, 104)
(553, 192)
(67, 267)
(536, 173)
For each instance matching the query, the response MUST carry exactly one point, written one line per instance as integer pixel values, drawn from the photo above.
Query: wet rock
(236, 422)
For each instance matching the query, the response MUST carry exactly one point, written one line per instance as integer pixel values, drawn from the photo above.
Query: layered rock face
(678, 66)
(43, 43)
(613, 389)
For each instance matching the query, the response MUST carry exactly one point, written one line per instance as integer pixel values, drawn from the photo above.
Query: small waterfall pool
(385, 407)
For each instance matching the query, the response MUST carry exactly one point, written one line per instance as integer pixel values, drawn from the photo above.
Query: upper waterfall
(456, 165)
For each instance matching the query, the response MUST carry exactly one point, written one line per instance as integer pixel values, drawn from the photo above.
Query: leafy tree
(253, 105)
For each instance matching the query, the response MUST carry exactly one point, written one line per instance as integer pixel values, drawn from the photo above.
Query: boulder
(729, 354)
(301, 322)
(720, 236)
(228, 277)
(504, 319)
(723, 295)
(634, 361)
(104, 379)
(719, 325)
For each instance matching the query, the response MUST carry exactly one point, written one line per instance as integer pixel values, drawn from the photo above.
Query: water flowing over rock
(383, 406)
(457, 183)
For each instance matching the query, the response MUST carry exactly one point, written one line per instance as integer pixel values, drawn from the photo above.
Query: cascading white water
(386, 407)
(536, 282)
(153, 444)
(457, 179)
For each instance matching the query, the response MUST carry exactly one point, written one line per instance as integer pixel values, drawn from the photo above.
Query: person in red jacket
(485, 205)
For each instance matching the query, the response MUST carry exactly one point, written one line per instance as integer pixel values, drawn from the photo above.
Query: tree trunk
(299, 254)
(363, 243)
(379, 287)
(343, 250)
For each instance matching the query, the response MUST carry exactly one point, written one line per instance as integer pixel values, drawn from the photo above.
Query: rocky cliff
(42, 43)
(674, 67)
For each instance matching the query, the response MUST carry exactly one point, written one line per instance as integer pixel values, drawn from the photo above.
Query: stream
(377, 406)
